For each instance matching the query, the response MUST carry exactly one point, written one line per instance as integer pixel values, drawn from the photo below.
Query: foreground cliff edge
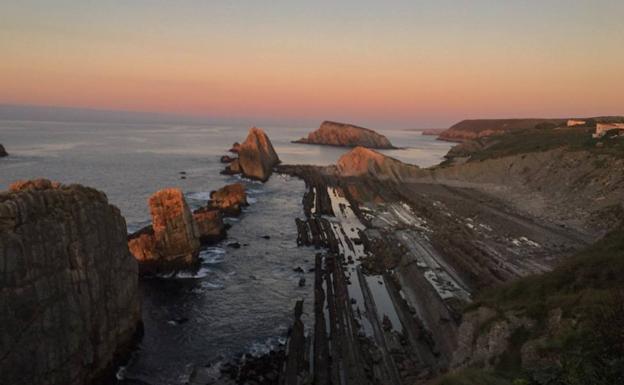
(346, 135)
(70, 302)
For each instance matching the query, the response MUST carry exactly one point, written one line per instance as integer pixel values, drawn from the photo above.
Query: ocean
(242, 299)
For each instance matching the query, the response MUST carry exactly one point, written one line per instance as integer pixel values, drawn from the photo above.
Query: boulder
(69, 298)
(346, 135)
(172, 242)
(229, 199)
(209, 224)
(3, 151)
(227, 159)
(256, 156)
(363, 161)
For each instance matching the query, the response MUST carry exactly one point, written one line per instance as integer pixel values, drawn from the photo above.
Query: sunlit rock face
(229, 199)
(209, 224)
(363, 161)
(69, 301)
(173, 240)
(346, 135)
(256, 156)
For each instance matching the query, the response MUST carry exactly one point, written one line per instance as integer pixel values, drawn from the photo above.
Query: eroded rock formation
(3, 151)
(69, 287)
(172, 242)
(256, 156)
(363, 161)
(209, 224)
(346, 135)
(229, 199)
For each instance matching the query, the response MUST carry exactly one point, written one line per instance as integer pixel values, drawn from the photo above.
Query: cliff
(478, 128)
(256, 156)
(69, 286)
(362, 161)
(346, 135)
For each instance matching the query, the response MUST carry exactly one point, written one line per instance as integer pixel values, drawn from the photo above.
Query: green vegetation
(586, 345)
(537, 140)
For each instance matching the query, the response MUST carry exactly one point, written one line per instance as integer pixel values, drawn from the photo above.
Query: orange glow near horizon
(366, 75)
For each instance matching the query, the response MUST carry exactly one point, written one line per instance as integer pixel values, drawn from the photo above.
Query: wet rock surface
(256, 156)
(346, 135)
(70, 300)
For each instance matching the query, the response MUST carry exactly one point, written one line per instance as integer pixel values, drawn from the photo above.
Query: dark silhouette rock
(346, 135)
(69, 286)
(3, 151)
(227, 159)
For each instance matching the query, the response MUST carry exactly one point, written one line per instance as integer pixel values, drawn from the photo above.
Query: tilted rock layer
(69, 301)
(346, 135)
(172, 242)
(256, 156)
(363, 161)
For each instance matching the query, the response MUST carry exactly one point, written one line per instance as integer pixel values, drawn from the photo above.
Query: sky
(394, 64)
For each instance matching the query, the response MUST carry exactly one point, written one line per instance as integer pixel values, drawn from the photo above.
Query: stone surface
(229, 199)
(256, 156)
(3, 151)
(209, 224)
(173, 242)
(363, 161)
(69, 301)
(346, 135)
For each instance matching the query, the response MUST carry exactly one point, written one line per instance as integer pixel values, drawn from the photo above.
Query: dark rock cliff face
(346, 135)
(3, 151)
(256, 156)
(69, 301)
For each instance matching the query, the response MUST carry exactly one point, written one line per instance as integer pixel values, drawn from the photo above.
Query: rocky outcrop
(256, 156)
(3, 151)
(209, 224)
(229, 199)
(172, 242)
(69, 296)
(346, 135)
(363, 161)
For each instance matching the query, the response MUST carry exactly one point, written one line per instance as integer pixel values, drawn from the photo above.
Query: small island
(346, 135)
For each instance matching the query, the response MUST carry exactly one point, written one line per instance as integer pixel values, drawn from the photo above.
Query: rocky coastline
(407, 274)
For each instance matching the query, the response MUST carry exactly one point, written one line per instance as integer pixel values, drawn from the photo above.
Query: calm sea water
(241, 300)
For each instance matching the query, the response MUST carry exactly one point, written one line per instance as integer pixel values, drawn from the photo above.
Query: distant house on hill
(603, 128)
(575, 122)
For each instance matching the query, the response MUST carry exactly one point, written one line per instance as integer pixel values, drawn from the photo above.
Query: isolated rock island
(256, 157)
(69, 286)
(346, 135)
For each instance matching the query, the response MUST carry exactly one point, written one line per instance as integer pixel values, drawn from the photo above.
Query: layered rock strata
(70, 306)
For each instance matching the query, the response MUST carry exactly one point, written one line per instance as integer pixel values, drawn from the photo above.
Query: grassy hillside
(585, 345)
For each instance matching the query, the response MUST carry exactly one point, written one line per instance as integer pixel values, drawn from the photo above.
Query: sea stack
(229, 199)
(256, 156)
(69, 286)
(3, 151)
(172, 242)
(363, 161)
(346, 135)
